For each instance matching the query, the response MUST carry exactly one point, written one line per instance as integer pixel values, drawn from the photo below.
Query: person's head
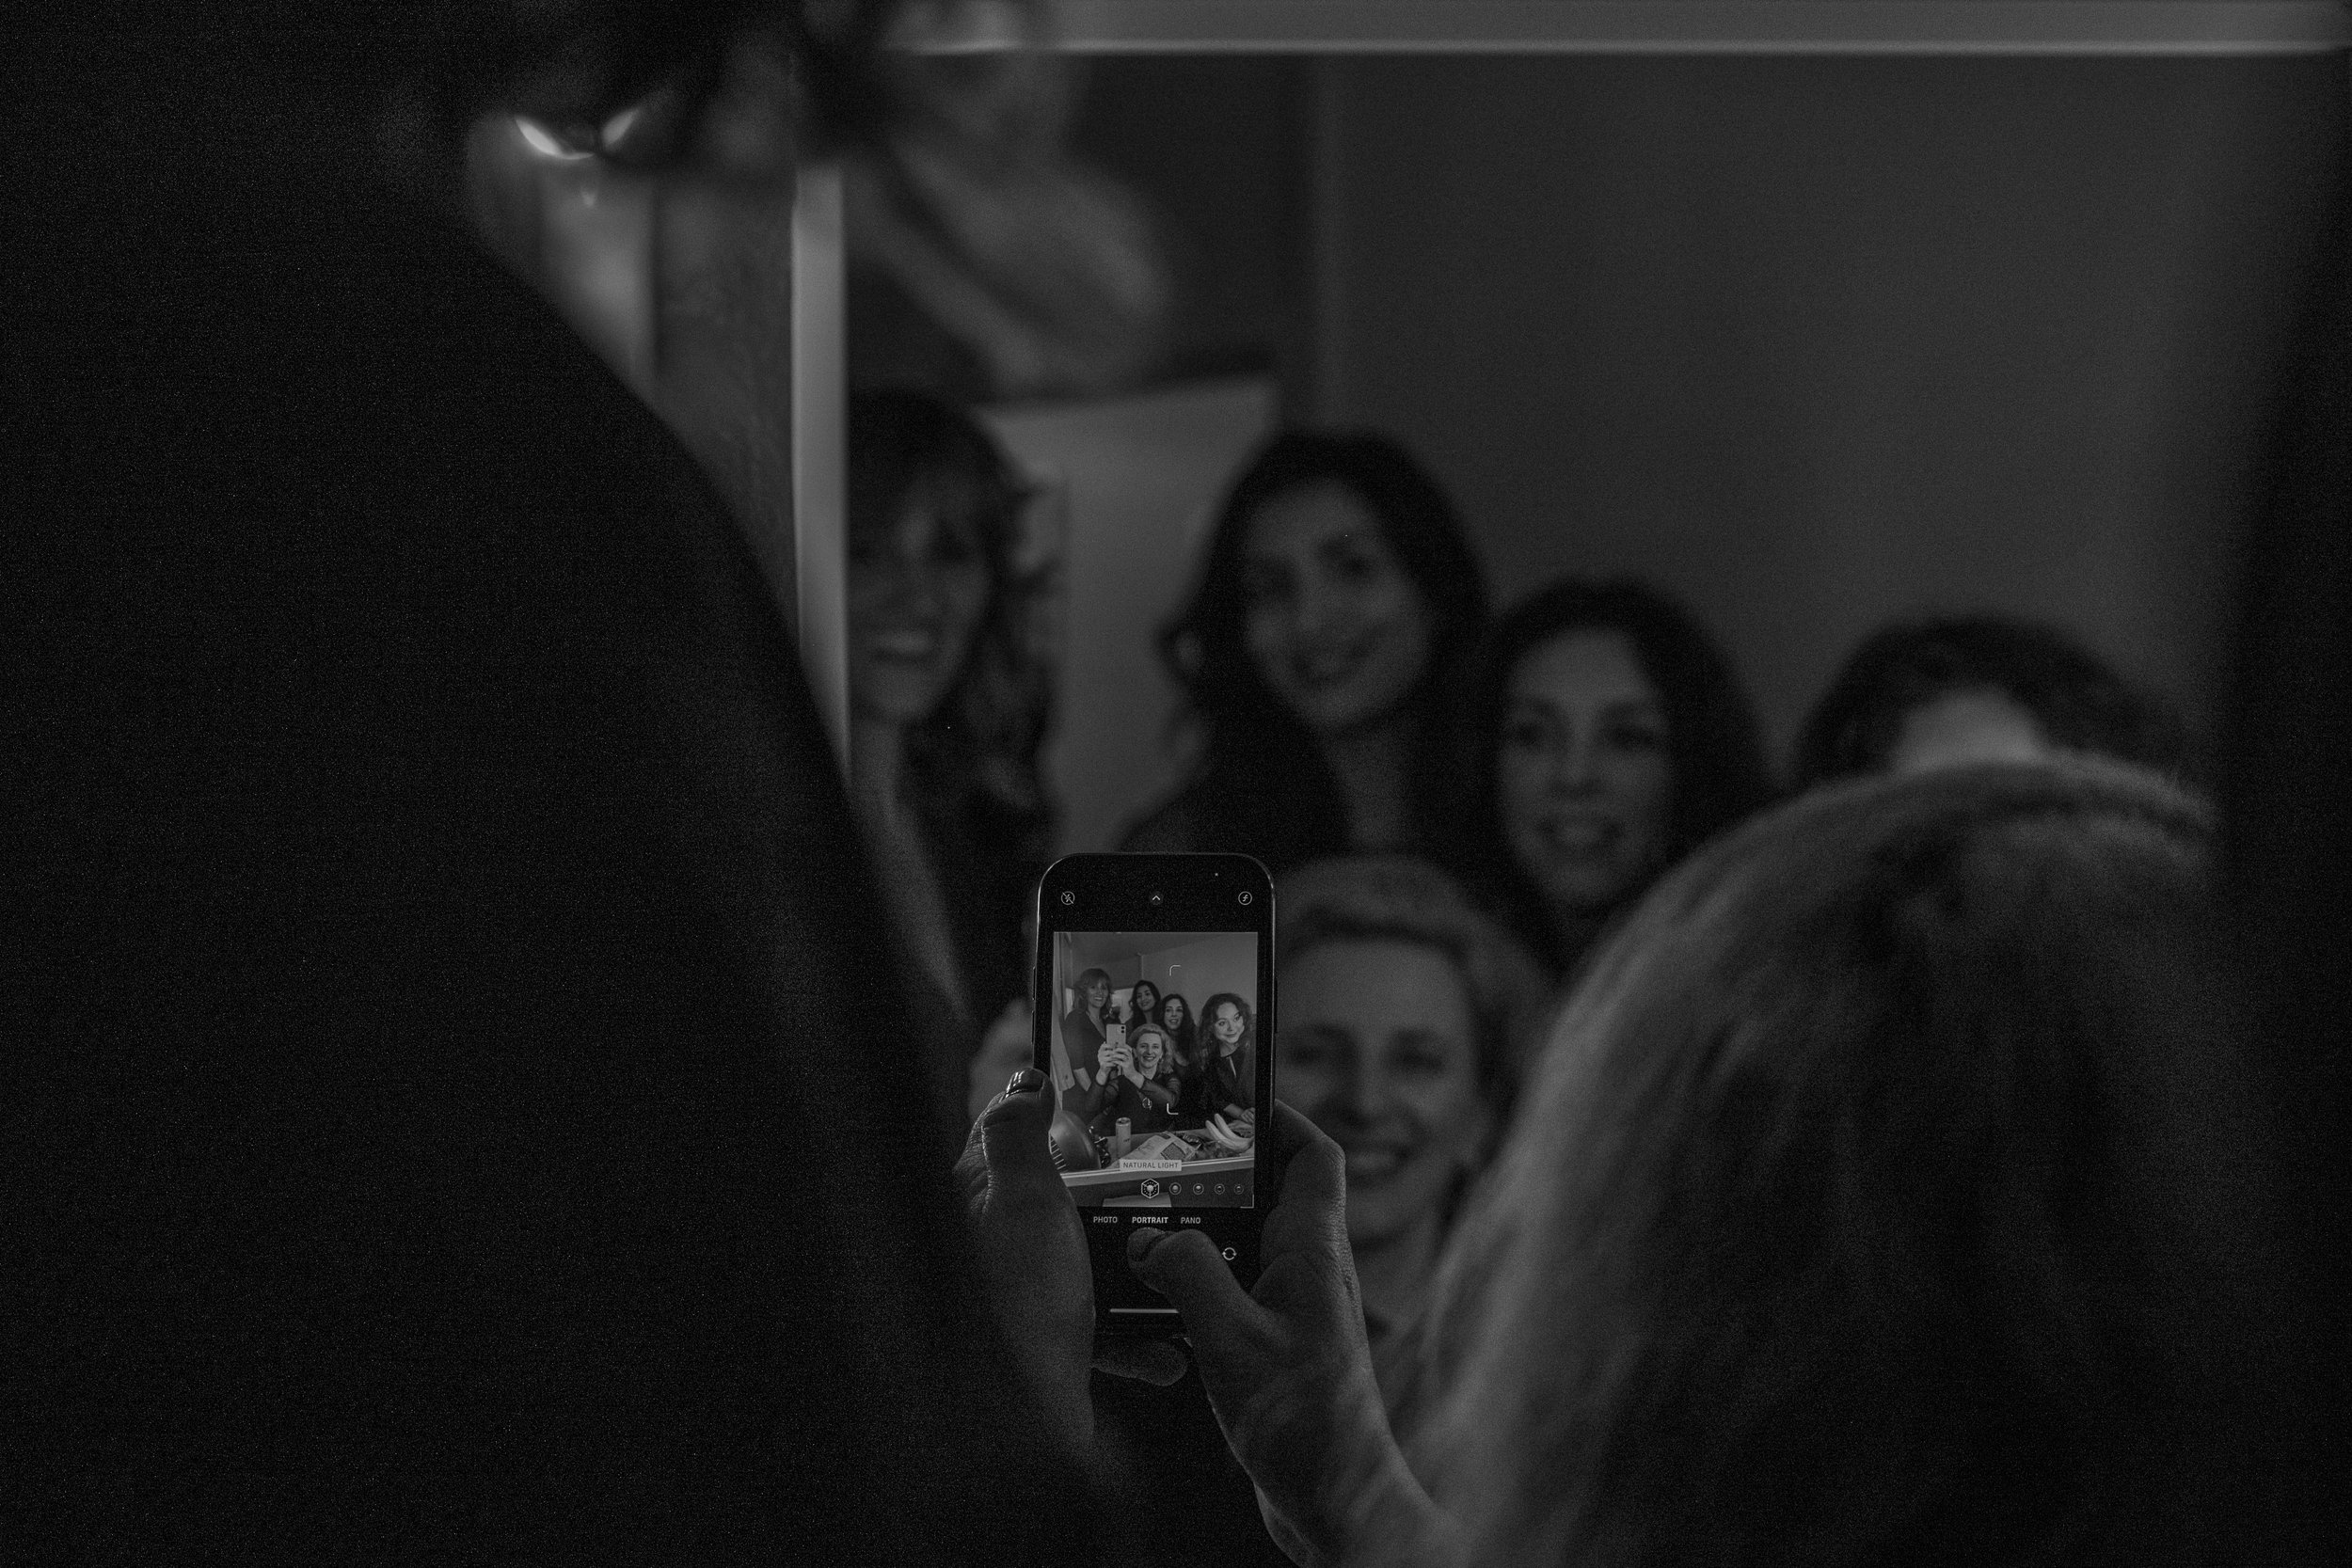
(1980, 688)
(1228, 1020)
(933, 510)
(1094, 990)
(1404, 1014)
(1859, 1208)
(1602, 736)
(1144, 1001)
(1336, 585)
(1151, 1048)
(1174, 1014)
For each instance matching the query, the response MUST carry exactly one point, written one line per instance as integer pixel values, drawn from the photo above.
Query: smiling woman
(1404, 1013)
(1602, 737)
(1338, 592)
(946, 711)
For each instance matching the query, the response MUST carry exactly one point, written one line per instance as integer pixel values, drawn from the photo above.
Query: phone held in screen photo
(1155, 978)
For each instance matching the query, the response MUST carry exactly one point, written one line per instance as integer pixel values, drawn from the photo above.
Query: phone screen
(1154, 1046)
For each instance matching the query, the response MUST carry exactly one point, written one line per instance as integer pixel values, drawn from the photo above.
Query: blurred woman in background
(1933, 693)
(1404, 1017)
(1338, 592)
(947, 711)
(1603, 735)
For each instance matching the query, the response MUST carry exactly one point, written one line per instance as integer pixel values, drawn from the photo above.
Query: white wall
(1818, 343)
(1199, 969)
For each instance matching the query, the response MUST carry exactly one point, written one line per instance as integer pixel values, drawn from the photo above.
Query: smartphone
(1158, 1123)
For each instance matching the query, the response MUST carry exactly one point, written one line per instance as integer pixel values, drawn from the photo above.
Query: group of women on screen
(1144, 1060)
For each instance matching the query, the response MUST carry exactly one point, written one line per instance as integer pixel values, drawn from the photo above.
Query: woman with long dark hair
(948, 708)
(1603, 737)
(1175, 1021)
(1143, 1005)
(1338, 592)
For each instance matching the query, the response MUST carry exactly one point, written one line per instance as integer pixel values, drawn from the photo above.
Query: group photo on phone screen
(1155, 1052)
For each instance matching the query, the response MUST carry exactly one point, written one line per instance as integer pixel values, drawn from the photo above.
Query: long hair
(1211, 1045)
(1183, 1039)
(973, 771)
(2079, 704)
(1263, 786)
(1883, 1197)
(1142, 1015)
(1714, 747)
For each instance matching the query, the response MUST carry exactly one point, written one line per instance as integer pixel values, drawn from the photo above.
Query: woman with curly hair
(948, 707)
(1225, 1081)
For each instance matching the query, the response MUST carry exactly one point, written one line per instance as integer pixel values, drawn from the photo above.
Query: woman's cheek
(1448, 1113)
(1263, 633)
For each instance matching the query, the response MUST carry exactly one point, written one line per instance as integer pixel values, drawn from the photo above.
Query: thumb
(1185, 1267)
(1014, 1131)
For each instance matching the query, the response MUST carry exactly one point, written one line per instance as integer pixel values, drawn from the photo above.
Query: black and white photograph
(1742, 608)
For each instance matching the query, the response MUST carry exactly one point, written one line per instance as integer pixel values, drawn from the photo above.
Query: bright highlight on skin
(544, 142)
(617, 127)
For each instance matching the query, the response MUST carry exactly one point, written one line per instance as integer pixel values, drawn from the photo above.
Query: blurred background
(1812, 343)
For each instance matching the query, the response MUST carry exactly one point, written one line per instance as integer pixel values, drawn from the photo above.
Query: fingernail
(1140, 1245)
(1028, 1078)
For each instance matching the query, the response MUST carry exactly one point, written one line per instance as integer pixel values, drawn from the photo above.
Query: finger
(1185, 1267)
(1012, 1131)
(1139, 1360)
(1313, 1170)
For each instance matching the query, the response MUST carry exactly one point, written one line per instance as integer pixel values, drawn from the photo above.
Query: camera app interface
(1155, 1053)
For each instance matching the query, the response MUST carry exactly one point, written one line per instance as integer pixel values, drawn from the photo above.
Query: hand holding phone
(1206, 922)
(1288, 1373)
